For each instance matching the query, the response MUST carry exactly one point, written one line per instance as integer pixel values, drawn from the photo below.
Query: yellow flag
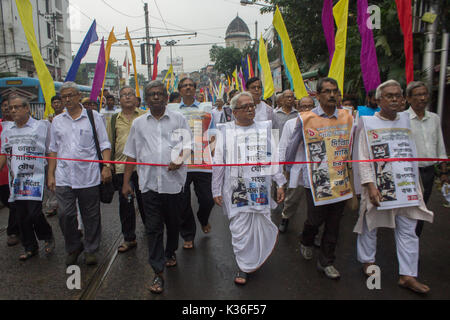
(169, 72)
(111, 39)
(133, 57)
(235, 78)
(289, 60)
(340, 13)
(264, 68)
(48, 87)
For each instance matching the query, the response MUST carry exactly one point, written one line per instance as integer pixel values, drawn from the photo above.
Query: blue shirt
(367, 111)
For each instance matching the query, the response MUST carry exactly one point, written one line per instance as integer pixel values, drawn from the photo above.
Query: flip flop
(171, 262)
(126, 246)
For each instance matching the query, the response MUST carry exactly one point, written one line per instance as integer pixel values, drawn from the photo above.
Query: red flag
(405, 18)
(250, 67)
(155, 59)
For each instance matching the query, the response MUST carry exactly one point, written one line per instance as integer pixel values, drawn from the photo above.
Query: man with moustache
(159, 136)
(328, 114)
(263, 110)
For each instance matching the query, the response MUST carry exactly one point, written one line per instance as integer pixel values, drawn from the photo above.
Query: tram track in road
(100, 274)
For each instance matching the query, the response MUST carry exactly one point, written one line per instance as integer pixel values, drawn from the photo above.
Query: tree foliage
(227, 59)
(304, 25)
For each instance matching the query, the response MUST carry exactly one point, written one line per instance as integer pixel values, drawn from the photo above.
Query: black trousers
(126, 209)
(202, 188)
(161, 209)
(427, 176)
(13, 224)
(32, 224)
(331, 215)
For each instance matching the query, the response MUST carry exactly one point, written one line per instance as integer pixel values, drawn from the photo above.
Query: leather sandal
(126, 246)
(27, 255)
(171, 262)
(157, 285)
(188, 245)
(414, 285)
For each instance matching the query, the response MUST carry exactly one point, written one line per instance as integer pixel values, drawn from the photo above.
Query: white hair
(234, 101)
(69, 85)
(389, 83)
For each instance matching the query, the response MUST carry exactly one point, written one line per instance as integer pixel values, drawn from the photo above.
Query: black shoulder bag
(106, 189)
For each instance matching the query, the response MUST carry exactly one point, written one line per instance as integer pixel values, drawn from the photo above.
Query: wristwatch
(108, 165)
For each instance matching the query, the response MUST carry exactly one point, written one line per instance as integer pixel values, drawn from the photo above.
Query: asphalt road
(207, 271)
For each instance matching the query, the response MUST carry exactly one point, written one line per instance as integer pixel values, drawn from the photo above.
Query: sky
(209, 18)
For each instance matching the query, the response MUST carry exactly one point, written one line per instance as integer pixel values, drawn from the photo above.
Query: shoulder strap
(97, 145)
(113, 135)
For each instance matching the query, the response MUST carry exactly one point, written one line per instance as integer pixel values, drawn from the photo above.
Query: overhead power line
(120, 12)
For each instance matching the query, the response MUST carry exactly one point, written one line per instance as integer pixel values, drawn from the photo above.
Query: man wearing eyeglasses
(118, 129)
(325, 197)
(244, 191)
(391, 195)
(200, 121)
(427, 132)
(160, 136)
(263, 111)
(72, 138)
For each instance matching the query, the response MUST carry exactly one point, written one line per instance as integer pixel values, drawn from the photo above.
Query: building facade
(49, 17)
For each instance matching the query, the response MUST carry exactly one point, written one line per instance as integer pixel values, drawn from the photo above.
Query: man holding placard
(391, 195)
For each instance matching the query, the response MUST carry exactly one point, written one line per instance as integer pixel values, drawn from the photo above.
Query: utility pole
(430, 45)
(147, 43)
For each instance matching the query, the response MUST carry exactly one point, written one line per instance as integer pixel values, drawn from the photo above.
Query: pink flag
(99, 72)
(328, 26)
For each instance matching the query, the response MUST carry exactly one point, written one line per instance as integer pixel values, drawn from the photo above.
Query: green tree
(226, 59)
(303, 22)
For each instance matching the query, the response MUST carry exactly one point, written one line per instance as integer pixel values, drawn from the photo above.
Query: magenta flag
(241, 76)
(99, 75)
(328, 26)
(369, 62)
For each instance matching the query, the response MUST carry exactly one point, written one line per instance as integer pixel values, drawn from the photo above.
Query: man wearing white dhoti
(391, 195)
(244, 191)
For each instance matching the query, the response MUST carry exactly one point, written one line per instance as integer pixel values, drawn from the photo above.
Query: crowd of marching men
(316, 137)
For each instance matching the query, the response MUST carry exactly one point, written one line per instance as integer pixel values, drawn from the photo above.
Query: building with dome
(238, 34)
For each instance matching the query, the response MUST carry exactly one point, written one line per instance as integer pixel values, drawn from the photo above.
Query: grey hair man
(72, 137)
(247, 210)
(159, 136)
(23, 137)
(427, 132)
(403, 219)
(286, 112)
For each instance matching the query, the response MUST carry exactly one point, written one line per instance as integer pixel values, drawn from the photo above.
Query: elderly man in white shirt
(72, 137)
(427, 132)
(160, 136)
(403, 219)
(263, 111)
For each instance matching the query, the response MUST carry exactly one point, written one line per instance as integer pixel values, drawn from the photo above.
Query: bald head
(305, 104)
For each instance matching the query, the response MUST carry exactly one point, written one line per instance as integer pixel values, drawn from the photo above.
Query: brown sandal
(127, 246)
(157, 285)
(188, 245)
(171, 262)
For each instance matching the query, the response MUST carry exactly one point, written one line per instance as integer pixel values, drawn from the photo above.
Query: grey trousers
(89, 203)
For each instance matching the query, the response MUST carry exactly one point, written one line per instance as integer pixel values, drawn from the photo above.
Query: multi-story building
(49, 17)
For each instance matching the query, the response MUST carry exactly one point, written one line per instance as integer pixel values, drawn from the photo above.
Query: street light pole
(170, 44)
